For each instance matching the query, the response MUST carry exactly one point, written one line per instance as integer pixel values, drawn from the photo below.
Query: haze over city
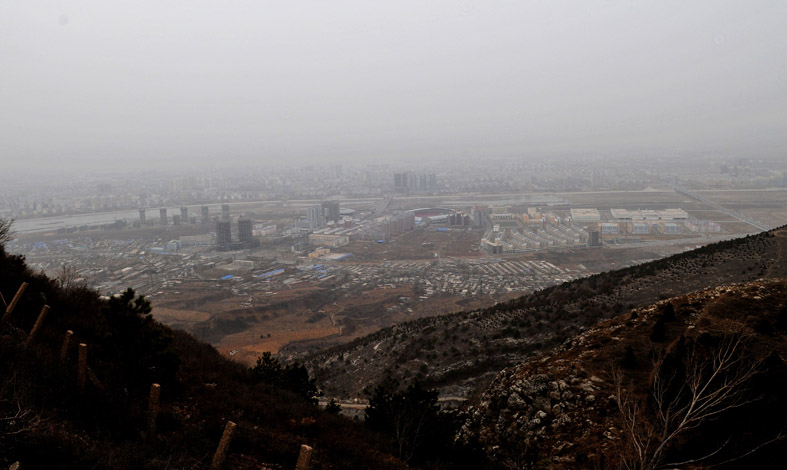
(403, 235)
(92, 84)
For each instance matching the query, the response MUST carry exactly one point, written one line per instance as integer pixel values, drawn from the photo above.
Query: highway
(698, 241)
(721, 208)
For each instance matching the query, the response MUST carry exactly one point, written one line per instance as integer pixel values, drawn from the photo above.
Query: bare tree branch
(713, 381)
(17, 418)
(5, 230)
(779, 437)
(68, 278)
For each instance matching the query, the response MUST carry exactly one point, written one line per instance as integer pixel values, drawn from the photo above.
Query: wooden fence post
(15, 300)
(37, 326)
(153, 409)
(304, 458)
(66, 344)
(82, 367)
(221, 451)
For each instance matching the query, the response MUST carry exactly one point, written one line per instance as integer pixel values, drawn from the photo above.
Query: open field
(176, 316)
(248, 345)
(418, 245)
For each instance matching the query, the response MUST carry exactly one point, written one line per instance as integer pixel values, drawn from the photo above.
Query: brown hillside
(48, 421)
(461, 353)
(564, 409)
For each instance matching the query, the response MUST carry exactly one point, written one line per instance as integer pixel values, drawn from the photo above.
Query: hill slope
(47, 422)
(461, 353)
(713, 359)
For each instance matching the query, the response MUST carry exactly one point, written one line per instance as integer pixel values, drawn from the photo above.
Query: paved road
(678, 241)
(362, 406)
(383, 206)
(719, 207)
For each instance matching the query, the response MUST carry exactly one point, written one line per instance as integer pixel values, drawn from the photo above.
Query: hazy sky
(114, 83)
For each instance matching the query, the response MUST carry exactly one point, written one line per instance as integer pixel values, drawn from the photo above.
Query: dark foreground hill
(48, 422)
(694, 382)
(462, 353)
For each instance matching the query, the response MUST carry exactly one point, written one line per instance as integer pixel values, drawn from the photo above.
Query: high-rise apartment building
(331, 211)
(245, 233)
(409, 182)
(223, 234)
(314, 217)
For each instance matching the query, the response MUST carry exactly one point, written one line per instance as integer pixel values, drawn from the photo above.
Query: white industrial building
(585, 216)
(625, 215)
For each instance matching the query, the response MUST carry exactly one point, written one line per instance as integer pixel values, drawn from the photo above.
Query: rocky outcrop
(562, 407)
(543, 406)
